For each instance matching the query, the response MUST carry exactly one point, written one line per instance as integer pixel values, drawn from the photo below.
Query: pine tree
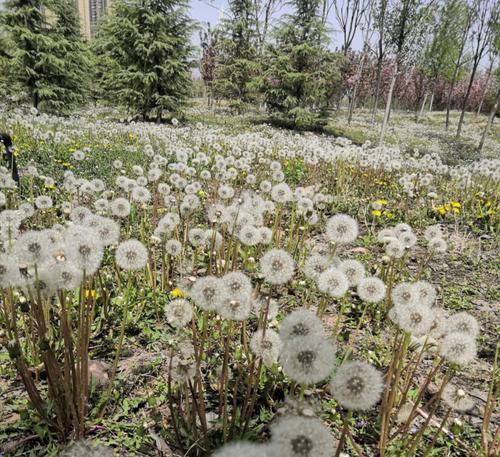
(49, 60)
(238, 64)
(144, 48)
(301, 74)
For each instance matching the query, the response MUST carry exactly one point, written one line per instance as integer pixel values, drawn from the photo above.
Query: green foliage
(301, 75)
(238, 63)
(443, 50)
(144, 53)
(47, 58)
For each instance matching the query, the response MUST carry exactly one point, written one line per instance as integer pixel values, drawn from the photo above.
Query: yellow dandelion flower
(201, 193)
(377, 213)
(381, 201)
(455, 205)
(90, 293)
(177, 293)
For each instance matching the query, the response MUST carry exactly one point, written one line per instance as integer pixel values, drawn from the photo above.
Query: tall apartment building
(90, 12)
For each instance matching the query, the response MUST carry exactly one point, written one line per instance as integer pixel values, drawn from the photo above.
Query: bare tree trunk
(489, 123)
(450, 94)
(466, 100)
(419, 113)
(485, 91)
(388, 105)
(356, 86)
(377, 90)
(431, 102)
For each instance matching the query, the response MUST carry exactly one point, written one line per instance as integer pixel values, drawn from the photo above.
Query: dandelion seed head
(459, 348)
(299, 323)
(463, 323)
(354, 271)
(131, 255)
(371, 289)
(178, 312)
(357, 385)
(333, 282)
(267, 347)
(456, 398)
(277, 266)
(341, 229)
(307, 359)
(208, 293)
(296, 436)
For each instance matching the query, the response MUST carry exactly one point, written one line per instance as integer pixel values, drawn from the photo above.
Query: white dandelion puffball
(416, 319)
(357, 385)
(299, 323)
(463, 323)
(297, 436)
(456, 398)
(9, 271)
(371, 289)
(354, 271)
(242, 449)
(277, 266)
(403, 294)
(341, 229)
(131, 255)
(308, 359)
(425, 292)
(86, 449)
(237, 286)
(178, 312)
(267, 347)
(459, 348)
(437, 245)
(207, 293)
(315, 265)
(333, 282)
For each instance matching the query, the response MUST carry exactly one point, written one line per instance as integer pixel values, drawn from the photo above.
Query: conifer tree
(238, 64)
(49, 61)
(144, 48)
(301, 74)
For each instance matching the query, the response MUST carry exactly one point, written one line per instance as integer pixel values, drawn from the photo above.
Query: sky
(212, 10)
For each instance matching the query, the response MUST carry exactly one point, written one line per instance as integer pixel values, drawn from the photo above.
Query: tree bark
(489, 123)
(466, 100)
(419, 113)
(431, 101)
(388, 105)
(377, 90)
(485, 91)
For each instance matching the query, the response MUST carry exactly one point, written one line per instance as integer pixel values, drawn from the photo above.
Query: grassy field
(422, 177)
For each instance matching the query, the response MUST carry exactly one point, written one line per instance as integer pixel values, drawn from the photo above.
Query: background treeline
(282, 57)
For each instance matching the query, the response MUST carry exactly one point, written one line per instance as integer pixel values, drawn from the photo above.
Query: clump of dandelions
(341, 229)
(277, 266)
(357, 385)
(131, 255)
(299, 323)
(179, 312)
(297, 436)
(308, 359)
